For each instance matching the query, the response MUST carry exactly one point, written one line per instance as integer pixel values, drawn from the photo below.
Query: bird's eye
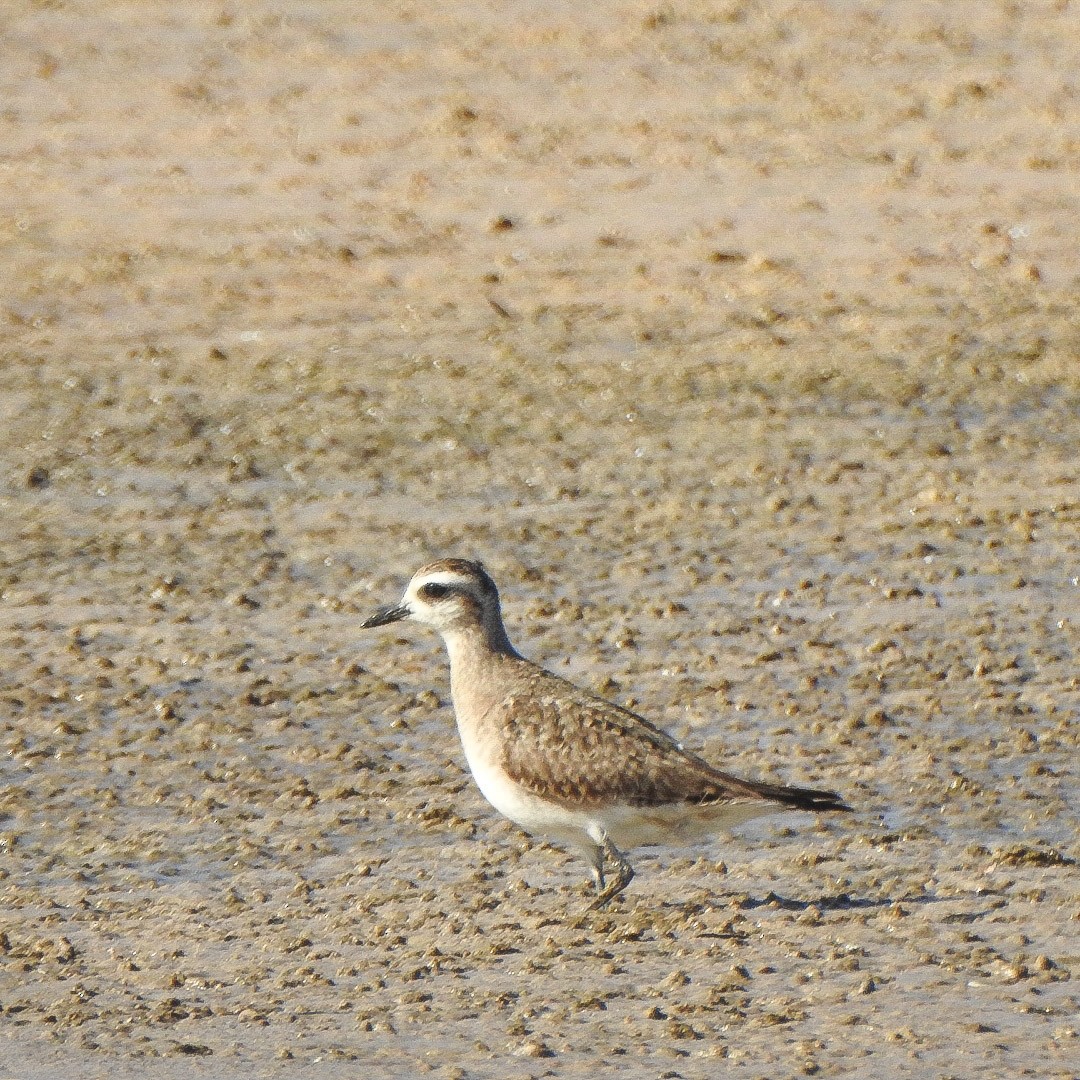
(434, 591)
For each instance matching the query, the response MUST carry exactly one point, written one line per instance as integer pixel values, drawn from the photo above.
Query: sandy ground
(738, 339)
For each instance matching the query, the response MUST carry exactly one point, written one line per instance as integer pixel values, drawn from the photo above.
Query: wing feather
(563, 743)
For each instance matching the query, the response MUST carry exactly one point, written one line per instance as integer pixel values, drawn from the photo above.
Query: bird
(564, 763)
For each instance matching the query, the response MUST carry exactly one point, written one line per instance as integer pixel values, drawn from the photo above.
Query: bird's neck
(477, 653)
(469, 644)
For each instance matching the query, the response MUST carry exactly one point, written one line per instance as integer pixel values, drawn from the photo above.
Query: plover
(561, 762)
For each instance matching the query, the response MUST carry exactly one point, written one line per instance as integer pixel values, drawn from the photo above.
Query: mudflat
(738, 340)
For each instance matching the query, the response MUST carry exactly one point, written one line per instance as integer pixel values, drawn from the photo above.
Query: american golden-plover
(561, 762)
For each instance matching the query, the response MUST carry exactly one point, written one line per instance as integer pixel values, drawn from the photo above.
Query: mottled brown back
(569, 746)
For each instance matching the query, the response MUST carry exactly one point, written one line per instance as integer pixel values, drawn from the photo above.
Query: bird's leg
(624, 872)
(597, 870)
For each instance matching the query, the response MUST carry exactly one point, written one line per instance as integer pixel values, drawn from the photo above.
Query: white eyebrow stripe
(443, 577)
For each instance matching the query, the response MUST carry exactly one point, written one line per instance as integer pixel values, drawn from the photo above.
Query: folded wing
(569, 746)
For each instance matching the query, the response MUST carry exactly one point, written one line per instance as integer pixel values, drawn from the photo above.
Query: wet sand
(738, 340)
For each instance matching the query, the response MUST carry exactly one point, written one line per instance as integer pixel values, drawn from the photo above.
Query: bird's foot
(624, 874)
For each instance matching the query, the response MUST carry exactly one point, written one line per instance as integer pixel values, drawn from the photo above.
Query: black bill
(385, 615)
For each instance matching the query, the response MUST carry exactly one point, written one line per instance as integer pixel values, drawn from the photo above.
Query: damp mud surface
(738, 340)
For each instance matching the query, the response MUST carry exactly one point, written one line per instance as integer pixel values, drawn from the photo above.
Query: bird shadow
(841, 901)
(832, 902)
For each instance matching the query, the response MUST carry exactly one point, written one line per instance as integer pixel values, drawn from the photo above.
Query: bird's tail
(800, 798)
